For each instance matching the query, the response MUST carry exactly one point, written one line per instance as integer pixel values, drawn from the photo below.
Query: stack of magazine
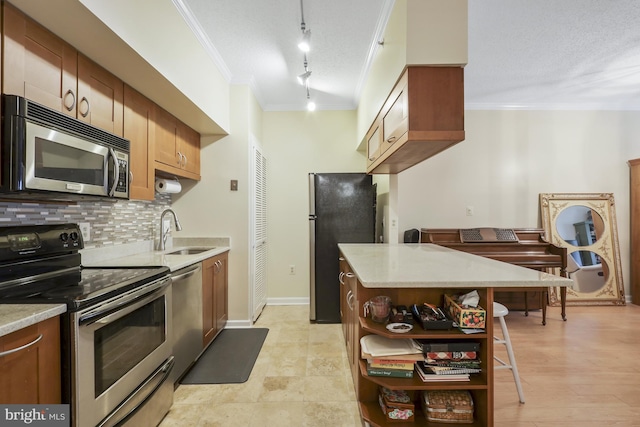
(448, 361)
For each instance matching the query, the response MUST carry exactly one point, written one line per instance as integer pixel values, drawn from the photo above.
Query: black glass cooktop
(81, 287)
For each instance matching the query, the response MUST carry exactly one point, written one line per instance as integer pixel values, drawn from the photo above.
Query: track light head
(304, 43)
(304, 77)
(311, 106)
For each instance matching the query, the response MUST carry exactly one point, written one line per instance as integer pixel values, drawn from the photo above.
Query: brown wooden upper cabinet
(177, 147)
(40, 66)
(422, 116)
(140, 130)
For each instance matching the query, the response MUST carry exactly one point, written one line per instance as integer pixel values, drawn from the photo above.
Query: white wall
(509, 157)
(210, 208)
(296, 144)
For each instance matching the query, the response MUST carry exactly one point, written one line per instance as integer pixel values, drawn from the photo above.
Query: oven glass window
(122, 344)
(64, 163)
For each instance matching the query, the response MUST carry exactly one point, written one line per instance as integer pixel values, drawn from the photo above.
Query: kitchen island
(413, 274)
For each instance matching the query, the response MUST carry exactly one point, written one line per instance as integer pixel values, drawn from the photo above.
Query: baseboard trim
(288, 301)
(247, 323)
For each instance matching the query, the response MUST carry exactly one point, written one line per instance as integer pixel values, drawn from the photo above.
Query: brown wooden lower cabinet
(215, 287)
(31, 375)
(367, 388)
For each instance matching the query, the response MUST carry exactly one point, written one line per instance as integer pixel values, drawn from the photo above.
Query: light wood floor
(580, 373)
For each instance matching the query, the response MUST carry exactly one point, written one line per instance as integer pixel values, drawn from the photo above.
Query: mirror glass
(579, 225)
(585, 224)
(588, 271)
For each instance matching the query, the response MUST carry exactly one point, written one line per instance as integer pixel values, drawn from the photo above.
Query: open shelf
(418, 332)
(372, 413)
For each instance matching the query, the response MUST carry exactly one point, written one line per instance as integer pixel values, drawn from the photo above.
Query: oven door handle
(125, 303)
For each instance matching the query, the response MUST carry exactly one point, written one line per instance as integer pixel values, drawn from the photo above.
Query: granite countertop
(14, 317)
(427, 265)
(146, 256)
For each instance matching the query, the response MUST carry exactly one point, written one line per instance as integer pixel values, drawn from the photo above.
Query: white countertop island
(418, 265)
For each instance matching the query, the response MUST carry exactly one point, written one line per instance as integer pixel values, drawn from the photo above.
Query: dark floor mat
(229, 359)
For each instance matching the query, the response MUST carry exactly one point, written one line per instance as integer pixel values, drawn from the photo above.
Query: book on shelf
(377, 345)
(392, 364)
(404, 357)
(384, 372)
(465, 363)
(451, 355)
(445, 370)
(429, 346)
(432, 377)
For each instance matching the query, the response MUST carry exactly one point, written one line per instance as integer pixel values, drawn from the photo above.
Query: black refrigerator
(342, 209)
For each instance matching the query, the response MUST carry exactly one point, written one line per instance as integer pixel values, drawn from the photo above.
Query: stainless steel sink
(190, 251)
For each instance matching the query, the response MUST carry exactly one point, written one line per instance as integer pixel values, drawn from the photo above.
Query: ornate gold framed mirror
(585, 223)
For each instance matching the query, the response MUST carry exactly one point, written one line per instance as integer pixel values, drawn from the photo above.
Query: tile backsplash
(112, 223)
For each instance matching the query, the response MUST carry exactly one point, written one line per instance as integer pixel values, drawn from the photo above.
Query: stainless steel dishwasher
(187, 318)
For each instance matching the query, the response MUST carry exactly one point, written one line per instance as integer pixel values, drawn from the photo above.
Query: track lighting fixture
(304, 46)
(311, 106)
(304, 42)
(304, 77)
(306, 34)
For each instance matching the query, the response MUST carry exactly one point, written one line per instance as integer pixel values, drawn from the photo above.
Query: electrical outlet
(85, 230)
(166, 224)
(292, 269)
(470, 211)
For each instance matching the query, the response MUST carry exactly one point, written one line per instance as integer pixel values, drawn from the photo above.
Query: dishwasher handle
(185, 272)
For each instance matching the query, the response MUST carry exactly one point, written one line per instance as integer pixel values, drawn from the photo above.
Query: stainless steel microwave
(47, 154)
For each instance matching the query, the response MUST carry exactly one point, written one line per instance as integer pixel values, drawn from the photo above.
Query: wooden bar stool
(500, 311)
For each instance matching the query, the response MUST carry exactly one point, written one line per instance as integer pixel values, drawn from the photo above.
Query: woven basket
(448, 406)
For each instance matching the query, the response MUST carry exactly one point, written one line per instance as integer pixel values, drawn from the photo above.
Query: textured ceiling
(570, 54)
(554, 54)
(257, 41)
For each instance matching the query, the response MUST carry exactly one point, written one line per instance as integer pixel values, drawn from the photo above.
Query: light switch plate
(234, 185)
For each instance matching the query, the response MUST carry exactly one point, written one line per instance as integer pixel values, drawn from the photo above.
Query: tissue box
(466, 317)
(396, 405)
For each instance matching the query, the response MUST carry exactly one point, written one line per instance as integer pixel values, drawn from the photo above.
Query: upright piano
(526, 247)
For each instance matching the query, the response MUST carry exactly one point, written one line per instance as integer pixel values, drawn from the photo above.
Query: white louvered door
(259, 235)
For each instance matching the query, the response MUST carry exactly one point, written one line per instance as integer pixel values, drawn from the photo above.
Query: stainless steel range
(117, 347)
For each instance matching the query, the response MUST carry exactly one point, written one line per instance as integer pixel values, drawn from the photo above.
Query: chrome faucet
(165, 233)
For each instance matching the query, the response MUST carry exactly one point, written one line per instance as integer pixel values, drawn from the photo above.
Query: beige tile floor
(579, 373)
(301, 378)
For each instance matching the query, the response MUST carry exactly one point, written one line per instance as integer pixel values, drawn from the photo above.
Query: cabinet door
(220, 287)
(208, 320)
(31, 375)
(188, 143)
(214, 296)
(100, 96)
(343, 297)
(139, 129)
(374, 142)
(396, 121)
(37, 64)
(165, 144)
